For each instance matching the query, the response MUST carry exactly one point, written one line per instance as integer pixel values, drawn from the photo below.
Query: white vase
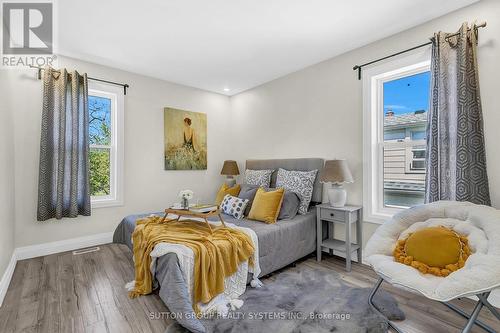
(230, 181)
(337, 195)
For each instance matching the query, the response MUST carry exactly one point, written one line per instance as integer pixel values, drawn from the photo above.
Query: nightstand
(346, 215)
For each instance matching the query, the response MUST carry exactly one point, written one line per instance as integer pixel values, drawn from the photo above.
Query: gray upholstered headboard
(300, 164)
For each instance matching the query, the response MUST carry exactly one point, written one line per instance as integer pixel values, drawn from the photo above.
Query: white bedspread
(234, 285)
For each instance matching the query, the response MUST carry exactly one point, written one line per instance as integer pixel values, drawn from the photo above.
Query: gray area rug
(301, 299)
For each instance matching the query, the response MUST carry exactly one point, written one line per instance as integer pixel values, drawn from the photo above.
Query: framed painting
(185, 140)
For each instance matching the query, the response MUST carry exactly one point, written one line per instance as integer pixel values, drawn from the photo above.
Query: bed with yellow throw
(217, 255)
(172, 264)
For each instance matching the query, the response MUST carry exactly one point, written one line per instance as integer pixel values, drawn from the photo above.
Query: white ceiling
(235, 44)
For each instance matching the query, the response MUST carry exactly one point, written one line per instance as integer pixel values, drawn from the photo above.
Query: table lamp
(230, 169)
(336, 172)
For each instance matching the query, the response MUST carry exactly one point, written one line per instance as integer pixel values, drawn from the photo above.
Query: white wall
(148, 187)
(317, 112)
(7, 218)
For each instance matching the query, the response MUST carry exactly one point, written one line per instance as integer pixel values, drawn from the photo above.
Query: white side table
(344, 215)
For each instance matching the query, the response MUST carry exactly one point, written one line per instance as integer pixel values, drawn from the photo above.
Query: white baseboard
(39, 250)
(7, 276)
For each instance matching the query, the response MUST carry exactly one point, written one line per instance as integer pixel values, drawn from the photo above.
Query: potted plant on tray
(185, 196)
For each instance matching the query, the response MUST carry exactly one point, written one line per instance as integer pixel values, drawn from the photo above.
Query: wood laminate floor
(85, 293)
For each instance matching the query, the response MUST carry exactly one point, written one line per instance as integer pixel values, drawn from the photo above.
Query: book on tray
(203, 208)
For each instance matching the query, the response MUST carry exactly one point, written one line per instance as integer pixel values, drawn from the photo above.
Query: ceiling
(232, 44)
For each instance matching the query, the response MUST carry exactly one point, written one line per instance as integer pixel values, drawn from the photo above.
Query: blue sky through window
(407, 94)
(99, 120)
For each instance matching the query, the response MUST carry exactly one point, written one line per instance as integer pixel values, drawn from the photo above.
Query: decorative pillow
(290, 206)
(233, 206)
(224, 189)
(266, 205)
(299, 182)
(433, 250)
(258, 177)
(248, 192)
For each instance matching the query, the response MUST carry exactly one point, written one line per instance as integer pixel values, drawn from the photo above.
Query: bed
(280, 244)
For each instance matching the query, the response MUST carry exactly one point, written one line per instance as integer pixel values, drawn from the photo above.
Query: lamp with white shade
(337, 173)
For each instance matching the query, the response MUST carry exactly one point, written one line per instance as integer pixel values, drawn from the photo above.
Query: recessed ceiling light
(227, 89)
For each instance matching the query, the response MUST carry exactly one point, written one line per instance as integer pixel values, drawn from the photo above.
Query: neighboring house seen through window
(405, 103)
(396, 99)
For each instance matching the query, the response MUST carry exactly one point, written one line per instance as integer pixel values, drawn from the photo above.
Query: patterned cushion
(233, 206)
(258, 177)
(299, 182)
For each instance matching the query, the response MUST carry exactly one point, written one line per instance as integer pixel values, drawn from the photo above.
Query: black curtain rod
(124, 85)
(359, 67)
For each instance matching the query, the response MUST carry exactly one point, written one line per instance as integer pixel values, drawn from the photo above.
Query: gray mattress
(280, 244)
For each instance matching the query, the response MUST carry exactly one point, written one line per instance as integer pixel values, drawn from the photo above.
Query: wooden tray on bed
(187, 213)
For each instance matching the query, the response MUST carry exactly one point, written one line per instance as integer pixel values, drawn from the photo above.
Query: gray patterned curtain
(63, 184)
(456, 158)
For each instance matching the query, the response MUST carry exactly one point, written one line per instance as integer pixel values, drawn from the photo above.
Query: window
(105, 106)
(394, 135)
(418, 135)
(396, 99)
(405, 96)
(417, 159)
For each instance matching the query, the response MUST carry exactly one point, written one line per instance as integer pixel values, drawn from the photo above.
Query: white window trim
(117, 143)
(373, 133)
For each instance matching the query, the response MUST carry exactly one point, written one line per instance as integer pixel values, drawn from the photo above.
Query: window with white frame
(105, 107)
(396, 100)
(415, 161)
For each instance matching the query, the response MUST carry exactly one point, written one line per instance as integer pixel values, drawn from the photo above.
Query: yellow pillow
(434, 250)
(266, 205)
(224, 189)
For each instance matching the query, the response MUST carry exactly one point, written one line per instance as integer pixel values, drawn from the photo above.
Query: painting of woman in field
(185, 140)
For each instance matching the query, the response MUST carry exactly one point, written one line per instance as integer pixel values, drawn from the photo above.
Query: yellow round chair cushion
(433, 250)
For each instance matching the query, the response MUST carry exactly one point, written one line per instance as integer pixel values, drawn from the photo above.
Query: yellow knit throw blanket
(217, 255)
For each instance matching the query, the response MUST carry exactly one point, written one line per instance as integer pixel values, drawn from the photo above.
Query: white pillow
(258, 177)
(300, 183)
(233, 206)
